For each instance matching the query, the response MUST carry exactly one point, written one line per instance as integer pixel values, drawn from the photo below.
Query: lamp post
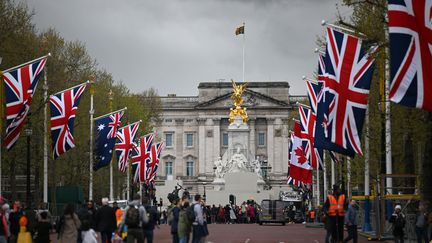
(28, 132)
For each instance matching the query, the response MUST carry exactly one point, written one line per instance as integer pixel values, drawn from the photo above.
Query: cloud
(174, 45)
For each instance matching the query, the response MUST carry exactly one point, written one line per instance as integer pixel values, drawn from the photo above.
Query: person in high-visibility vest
(335, 208)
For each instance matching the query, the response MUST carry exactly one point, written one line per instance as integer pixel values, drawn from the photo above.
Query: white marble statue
(219, 164)
(238, 162)
(256, 166)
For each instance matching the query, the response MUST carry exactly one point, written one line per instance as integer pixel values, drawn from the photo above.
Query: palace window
(225, 139)
(261, 139)
(169, 140)
(189, 140)
(169, 168)
(190, 168)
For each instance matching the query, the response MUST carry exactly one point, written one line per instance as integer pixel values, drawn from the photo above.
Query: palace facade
(194, 129)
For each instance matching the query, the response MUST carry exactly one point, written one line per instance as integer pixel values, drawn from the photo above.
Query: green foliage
(69, 65)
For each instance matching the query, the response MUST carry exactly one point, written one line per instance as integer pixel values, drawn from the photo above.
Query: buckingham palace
(195, 132)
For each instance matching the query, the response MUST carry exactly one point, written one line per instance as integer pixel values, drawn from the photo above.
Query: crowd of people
(339, 213)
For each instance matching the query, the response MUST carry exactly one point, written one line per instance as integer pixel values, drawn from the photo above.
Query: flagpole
(91, 111)
(108, 114)
(318, 186)
(23, 64)
(333, 175)
(324, 176)
(366, 224)
(128, 181)
(110, 98)
(244, 43)
(86, 82)
(45, 140)
(388, 150)
(348, 176)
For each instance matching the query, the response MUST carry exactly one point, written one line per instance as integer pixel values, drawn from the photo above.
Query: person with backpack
(173, 218)
(186, 217)
(398, 221)
(199, 229)
(135, 215)
(43, 227)
(152, 215)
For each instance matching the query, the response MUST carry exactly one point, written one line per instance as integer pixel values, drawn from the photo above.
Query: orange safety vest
(312, 214)
(119, 215)
(336, 207)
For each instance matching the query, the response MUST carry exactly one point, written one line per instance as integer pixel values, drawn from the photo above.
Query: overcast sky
(173, 45)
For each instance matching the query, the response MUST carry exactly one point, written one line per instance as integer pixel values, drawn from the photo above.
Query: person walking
(105, 221)
(135, 215)
(14, 218)
(152, 215)
(69, 225)
(351, 222)
(421, 227)
(173, 216)
(335, 207)
(398, 221)
(43, 227)
(4, 227)
(198, 226)
(91, 216)
(184, 224)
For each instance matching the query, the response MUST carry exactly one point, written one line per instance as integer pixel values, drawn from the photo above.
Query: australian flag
(106, 129)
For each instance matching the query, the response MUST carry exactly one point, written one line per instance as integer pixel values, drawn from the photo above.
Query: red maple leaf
(301, 158)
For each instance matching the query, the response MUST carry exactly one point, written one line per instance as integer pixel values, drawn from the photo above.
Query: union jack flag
(347, 77)
(410, 30)
(156, 150)
(20, 86)
(64, 106)
(125, 144)
(307, 124)
(141, 157)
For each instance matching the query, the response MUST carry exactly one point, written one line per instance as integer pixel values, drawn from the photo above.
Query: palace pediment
(252, 99)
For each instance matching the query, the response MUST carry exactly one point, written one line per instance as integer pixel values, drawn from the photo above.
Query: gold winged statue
(238, 91)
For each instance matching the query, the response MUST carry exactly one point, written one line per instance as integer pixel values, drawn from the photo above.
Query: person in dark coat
(149, 227)
(91, 214)
(174, 224)
(398, 221)
(106, 221)
(42, 229)
(14, 218)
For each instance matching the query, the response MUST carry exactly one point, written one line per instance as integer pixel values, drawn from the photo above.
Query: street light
(28, 132)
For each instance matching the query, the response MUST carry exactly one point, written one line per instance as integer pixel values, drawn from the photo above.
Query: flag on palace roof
(342, 107)
(64, 106)
(20, 86)
(240, 30)
(410, 53)
(106, 130)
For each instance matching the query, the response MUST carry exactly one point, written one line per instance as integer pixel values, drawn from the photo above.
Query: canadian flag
(300, 171)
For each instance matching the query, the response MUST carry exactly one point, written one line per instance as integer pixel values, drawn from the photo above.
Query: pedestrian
(91, 216)
(163, 217)
(31, 218)
(105, 221)
(351, 222)
(4, 227)
(134, 217)
(335, 208)
(398, 221)
(152, 215)
(14, 218)
(43, 228)
(233, 217)
(327, 227)
(43, 208)
(173, 218)
(88, 235)
(184, 224)
(421, 227)
(312, 216)
(198, 226)
(221, 214)
(69, 225)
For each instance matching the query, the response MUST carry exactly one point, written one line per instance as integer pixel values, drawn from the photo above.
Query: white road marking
(247, 240)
